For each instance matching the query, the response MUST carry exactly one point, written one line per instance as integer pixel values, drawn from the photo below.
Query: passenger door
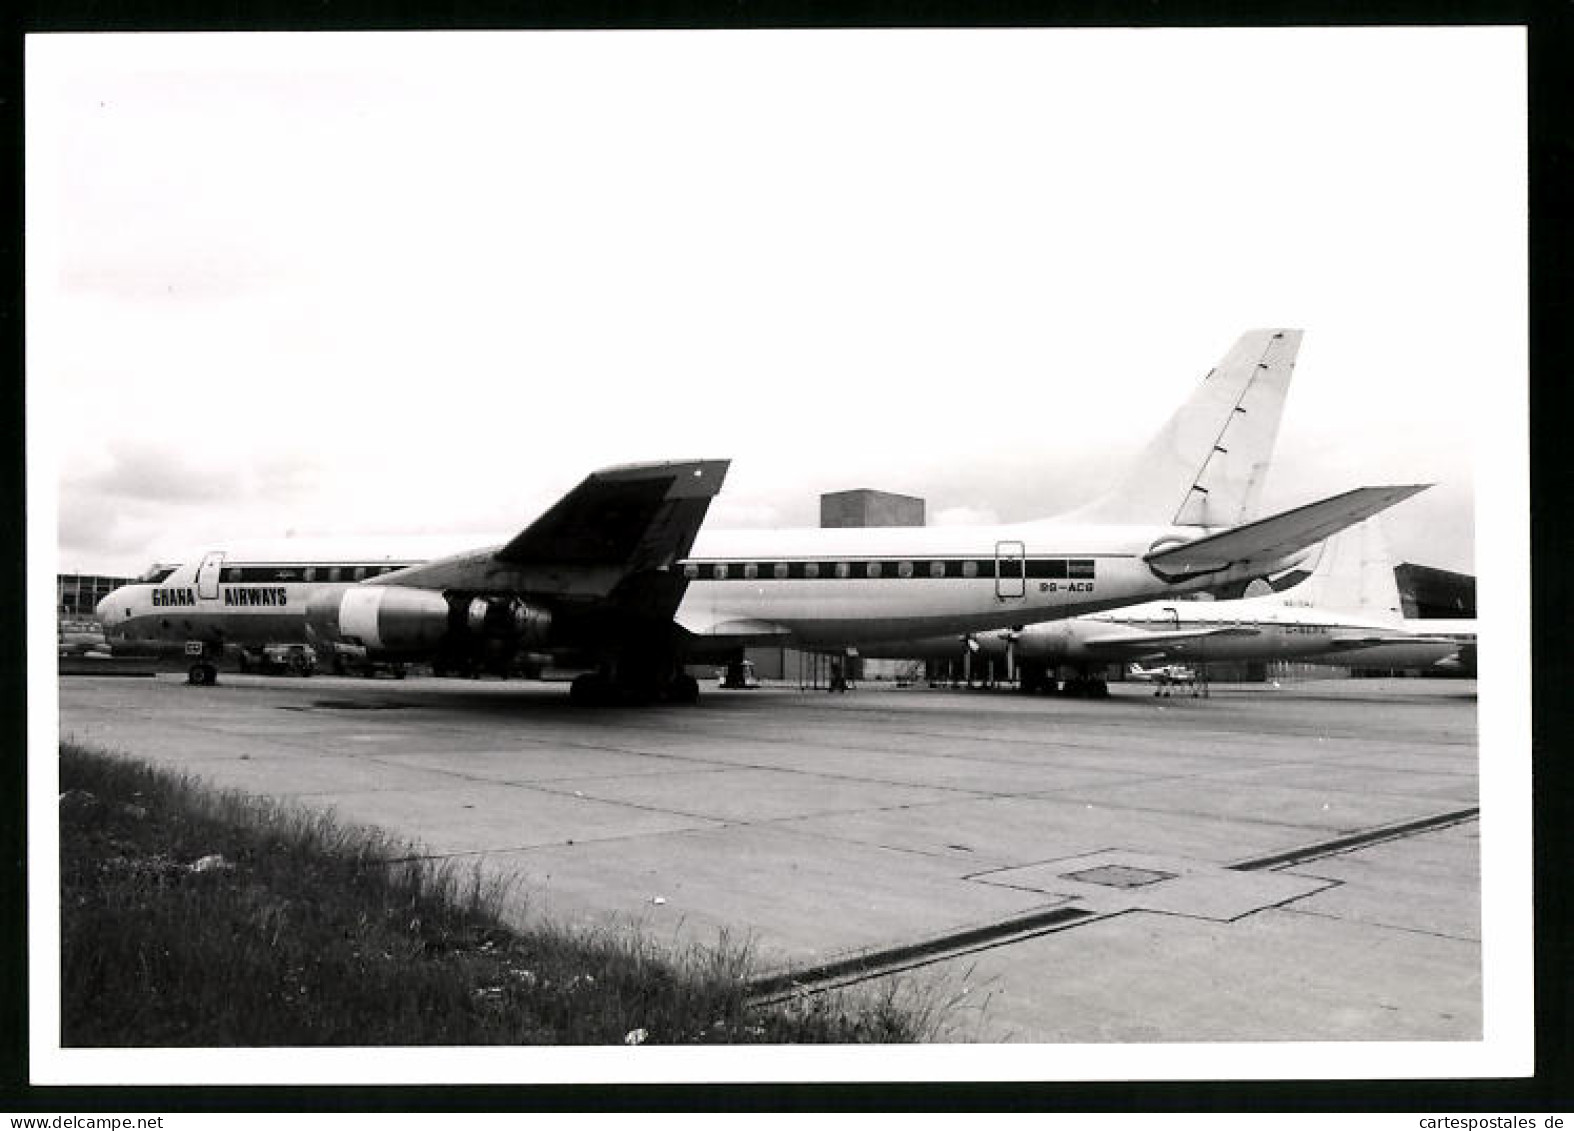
(1010, 571)
(208, 575)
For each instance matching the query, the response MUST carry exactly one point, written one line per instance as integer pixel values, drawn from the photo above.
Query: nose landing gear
(203, 672)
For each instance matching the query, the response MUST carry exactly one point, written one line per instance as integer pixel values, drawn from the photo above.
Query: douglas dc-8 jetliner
(1346, 612)
(617, 579)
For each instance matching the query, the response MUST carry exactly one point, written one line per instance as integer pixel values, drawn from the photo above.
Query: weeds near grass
(199, 918)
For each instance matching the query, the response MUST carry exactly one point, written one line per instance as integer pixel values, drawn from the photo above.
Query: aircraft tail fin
(1355, 574)
(1207, 465)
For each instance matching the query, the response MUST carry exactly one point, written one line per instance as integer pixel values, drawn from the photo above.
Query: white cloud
(963, 516)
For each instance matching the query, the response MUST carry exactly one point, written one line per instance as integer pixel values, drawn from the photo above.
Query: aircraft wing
(1278, 535)
(1135, 645)
(640, 516)
(1355, 643)
(613, 536)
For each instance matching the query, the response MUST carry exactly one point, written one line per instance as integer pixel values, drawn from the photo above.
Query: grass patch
(191, 917)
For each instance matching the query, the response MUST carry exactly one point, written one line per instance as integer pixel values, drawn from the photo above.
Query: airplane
(618, 579)
(1165, 676)
(1344, 612)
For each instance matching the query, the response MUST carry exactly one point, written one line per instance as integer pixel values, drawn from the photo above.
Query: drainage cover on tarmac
(1113, 881)
(1120, 876)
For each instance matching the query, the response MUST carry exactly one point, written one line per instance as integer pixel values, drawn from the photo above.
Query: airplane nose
(106, 608)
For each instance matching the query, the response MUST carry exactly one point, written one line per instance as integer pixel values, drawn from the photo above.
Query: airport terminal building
(77, 594)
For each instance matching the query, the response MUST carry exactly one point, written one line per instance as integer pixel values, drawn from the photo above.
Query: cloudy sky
(423, 283)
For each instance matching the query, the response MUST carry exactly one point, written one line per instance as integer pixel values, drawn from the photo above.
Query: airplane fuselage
(857, 587)
(1266, 630)
(813, 588)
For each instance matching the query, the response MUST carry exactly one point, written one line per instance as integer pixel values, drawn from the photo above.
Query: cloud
(963, 516)
(141, 472)
(96, 534)
(193, 473)
(131, 502)
(735, 514)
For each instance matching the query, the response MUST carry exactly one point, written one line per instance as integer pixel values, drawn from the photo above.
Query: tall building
(864, 507)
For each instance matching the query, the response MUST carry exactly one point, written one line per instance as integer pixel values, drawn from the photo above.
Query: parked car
(347, 659)
(280, 659)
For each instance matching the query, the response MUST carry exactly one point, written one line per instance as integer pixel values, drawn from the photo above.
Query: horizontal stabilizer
(1280, 535)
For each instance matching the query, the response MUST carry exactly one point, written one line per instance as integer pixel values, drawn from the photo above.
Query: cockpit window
(156, 573)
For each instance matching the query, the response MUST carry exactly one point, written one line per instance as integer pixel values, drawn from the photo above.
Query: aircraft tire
(683, 689)
(590, 689)
(202, 675)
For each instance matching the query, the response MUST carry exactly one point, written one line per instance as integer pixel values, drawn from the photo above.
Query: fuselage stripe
(889, 569)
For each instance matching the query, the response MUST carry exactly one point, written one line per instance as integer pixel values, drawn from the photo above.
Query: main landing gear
(601, 689)
(646, 669)
(1085, 687)
(1040, 679)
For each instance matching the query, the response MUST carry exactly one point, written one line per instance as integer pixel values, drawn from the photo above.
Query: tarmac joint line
(1207, 895)
(872, 964)
(1333, 847)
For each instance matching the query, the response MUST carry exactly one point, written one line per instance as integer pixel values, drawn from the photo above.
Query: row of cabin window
(238, 574)
(1074, 569)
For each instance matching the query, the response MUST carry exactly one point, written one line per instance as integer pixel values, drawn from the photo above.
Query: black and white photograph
(687, 556)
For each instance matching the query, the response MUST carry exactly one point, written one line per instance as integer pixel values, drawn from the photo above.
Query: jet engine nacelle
(382, 619)
(1054, 642)
(390, 619)
(509, 618)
